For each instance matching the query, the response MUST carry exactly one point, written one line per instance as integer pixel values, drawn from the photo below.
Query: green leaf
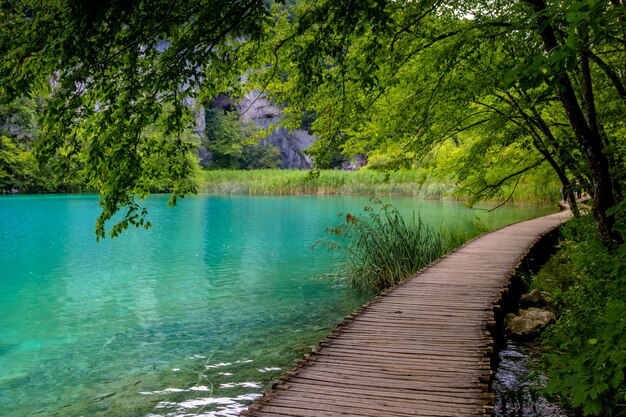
(575, 17)
(571, 41)
(615, 311)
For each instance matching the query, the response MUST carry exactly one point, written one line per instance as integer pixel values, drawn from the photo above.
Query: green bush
(587, 344)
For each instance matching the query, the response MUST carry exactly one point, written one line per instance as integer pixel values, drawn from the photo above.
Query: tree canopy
(519, 84)
(112, 71)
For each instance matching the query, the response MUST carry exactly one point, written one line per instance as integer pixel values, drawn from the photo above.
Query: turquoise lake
(192, 317)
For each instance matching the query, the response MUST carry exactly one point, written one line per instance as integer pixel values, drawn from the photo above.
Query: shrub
(587, 362)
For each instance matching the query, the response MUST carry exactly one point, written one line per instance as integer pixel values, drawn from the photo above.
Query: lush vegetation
(20, 170)
(487, 92)
(366, 182)
(514, 84)
(586, 359)
(379, 249)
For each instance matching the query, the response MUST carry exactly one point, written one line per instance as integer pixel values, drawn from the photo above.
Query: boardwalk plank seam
(420, 348)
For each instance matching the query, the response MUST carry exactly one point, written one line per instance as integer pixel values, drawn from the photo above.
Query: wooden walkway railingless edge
(419, 349)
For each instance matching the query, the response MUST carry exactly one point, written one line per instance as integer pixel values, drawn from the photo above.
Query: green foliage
(587, 345)
(10, 166)
(157, 157)
(233, 145)
(17, 131)
(20, 170)
(327, 154)
(388, 162)
(379, 249)
(18, 121)
(112, 70)
(494, 179)
(516, 85)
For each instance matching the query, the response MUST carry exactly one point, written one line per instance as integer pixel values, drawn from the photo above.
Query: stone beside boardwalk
(422, 348)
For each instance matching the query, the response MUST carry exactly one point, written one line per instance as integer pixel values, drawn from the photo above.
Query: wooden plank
(370, 403)
(417, 356)
(399, 368)
(405, 396)
(454, 389)
(366, 408)
(415, 349)
(391, 370)
(430, 384)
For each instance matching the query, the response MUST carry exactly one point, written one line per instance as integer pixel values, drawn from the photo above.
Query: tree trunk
(590, 144)
(568, 192)
(616, 168)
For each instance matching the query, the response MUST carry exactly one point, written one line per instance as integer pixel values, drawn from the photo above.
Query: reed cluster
(322, 182)
(378, 248)
(414, 182)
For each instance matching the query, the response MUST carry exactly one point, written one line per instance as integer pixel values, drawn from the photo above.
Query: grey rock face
(257, 108)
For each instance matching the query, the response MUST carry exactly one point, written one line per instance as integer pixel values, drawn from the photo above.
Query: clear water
(517, 385)
(192, 317)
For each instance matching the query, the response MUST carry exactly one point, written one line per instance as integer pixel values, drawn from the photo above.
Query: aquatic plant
(379, 248)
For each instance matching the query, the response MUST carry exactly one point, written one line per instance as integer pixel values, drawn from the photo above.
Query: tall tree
(417, 72)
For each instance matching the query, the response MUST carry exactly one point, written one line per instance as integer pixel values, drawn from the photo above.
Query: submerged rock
(528, 322)
(533, 299)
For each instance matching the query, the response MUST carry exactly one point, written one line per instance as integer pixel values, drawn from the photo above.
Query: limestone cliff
(255, 107)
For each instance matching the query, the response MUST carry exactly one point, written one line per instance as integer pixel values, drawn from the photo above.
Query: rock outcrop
(528, 322)
(257, 108)
(533, 299)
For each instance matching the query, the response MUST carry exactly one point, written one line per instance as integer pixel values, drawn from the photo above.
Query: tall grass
(325, 182)
(379, 248)
(417, 182)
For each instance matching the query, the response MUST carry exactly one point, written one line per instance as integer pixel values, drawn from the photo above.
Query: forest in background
(488, 91)
(225, 142)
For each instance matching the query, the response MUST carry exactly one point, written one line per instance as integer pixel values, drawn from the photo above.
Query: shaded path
(419, 349)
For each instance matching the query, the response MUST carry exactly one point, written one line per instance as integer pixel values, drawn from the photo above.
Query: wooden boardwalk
(420, 349)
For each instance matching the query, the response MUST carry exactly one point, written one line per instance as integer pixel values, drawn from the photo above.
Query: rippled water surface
(192, 317)
(517, 385)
